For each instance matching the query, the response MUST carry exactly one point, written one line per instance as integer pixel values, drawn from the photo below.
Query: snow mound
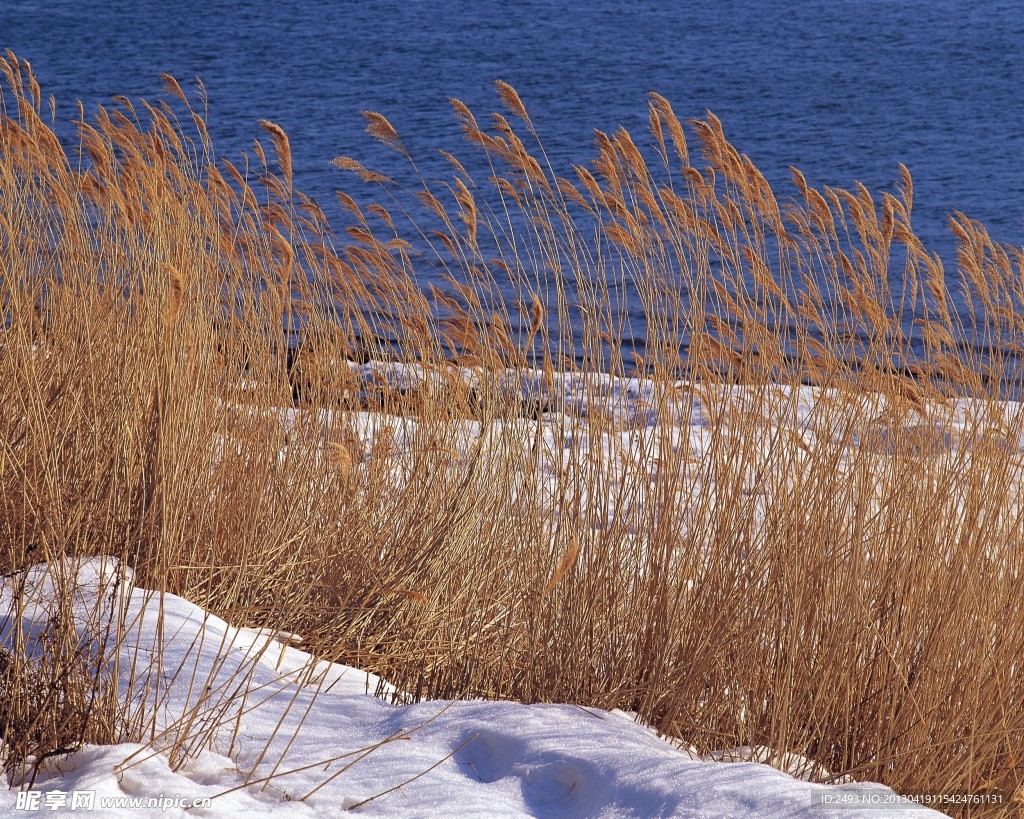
(293, 736)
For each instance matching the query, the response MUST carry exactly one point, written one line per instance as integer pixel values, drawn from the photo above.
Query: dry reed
(838, 578)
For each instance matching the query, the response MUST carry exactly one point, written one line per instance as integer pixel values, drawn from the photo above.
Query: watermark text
(88, 800)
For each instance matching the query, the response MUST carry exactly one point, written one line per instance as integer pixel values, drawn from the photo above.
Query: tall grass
(829, 565)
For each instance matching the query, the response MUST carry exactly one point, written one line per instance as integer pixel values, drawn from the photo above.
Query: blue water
(843, 90)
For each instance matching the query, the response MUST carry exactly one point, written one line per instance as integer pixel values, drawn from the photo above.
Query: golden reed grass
(850, 590)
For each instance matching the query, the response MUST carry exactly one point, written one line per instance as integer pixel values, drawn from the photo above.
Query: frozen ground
(303, 738)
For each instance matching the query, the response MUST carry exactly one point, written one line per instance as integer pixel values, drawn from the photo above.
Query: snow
(309, 738)
(247, 719)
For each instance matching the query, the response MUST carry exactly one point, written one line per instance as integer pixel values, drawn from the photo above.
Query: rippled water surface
(843, 90)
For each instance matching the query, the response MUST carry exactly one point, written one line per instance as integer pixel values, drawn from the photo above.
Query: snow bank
(305, 738)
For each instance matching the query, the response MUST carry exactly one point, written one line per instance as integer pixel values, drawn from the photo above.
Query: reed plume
(566, 562)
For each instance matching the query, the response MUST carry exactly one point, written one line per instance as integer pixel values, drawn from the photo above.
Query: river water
(844, 90)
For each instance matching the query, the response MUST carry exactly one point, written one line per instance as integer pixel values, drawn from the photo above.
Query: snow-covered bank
(304, 738)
